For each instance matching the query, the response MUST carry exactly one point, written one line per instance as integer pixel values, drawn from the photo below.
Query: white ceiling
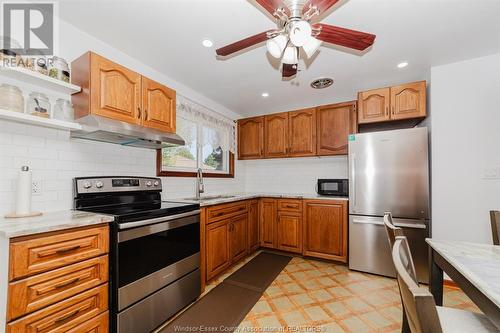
(167, 36)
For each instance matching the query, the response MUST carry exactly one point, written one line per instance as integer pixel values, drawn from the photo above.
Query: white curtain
(221, 129)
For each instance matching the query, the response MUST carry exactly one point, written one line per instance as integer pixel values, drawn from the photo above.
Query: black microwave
(333, 187)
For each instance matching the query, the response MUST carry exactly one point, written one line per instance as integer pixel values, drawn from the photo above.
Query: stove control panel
(116, 184)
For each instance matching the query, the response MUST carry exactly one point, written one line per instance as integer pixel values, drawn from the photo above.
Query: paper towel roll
(23, 202)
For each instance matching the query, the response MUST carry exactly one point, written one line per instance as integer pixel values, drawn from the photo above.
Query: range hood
(97, 128)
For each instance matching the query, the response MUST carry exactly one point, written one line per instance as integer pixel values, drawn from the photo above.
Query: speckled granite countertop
(52, 221)
(231, 197)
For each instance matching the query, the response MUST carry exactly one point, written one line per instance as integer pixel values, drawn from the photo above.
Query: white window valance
(223, 132)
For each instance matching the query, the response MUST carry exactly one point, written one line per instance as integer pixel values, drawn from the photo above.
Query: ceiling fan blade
(345, 37)
(242, 44)
(322, 5)
(271, 5)
(289, 70)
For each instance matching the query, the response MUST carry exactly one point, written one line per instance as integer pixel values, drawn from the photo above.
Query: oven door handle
(149, 227)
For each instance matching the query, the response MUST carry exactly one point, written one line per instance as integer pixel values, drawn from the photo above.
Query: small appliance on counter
(333, 187)
(154, 251)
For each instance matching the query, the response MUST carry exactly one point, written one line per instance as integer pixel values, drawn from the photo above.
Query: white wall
(465, 147)
(55, 159)
(292, 175)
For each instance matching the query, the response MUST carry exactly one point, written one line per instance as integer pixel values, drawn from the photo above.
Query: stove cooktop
(143, 211)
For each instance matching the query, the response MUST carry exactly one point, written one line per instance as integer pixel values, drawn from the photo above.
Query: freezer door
(369, 249)
(388, 171)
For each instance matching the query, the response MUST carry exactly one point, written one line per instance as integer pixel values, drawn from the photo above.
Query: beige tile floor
(318, 296)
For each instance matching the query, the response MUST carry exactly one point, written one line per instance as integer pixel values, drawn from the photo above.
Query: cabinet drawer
(97, 324)
(66, 315)
(41, 290)
(220, 212)
(50, 251)
(290, 205)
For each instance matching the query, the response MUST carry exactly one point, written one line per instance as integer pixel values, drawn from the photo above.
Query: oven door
(153, 256)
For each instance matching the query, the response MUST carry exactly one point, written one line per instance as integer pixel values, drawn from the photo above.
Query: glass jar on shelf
(37, 63)
(63, 110)
(59, 69)
(11, 98)
(38, 105)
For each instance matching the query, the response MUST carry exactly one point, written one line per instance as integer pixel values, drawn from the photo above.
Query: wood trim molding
(162, 173)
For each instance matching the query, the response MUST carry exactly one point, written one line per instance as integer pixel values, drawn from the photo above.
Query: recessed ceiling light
(322, 83)
(403, 64)
(264, 94)
(207, 42)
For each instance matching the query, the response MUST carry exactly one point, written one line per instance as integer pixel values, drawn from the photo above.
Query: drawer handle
(291, 206)
(69, 249)
(64, 318)
(65, 284)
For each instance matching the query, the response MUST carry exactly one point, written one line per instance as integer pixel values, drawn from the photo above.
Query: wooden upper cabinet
(116, 90)
(408, 101)
(276, 135)
(302, 133)
(251, 138)
(373, 106)
(325, 229)
(268, 215)
(158, 105)
(335, 123)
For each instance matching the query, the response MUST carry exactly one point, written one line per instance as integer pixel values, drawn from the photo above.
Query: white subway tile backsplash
(28, 140)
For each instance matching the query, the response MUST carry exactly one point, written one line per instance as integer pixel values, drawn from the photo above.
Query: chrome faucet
(200, 187)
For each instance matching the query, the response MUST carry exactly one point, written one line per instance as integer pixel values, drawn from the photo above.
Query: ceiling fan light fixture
(276, 45)
(290, 55)
(300, 33)
(311, 47)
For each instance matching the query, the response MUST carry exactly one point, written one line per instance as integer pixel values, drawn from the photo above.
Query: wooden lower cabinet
(218, 257)
(289, 231)
(253, 225)
(58, 282)
(325, 229)
(268, 210)
(238, 243)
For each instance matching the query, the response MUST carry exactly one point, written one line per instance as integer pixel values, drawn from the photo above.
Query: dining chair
(495, 226)
(423, 314)
(392, 232)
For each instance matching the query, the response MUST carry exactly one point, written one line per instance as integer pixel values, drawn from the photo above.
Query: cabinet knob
(146, 114)
(139, 113)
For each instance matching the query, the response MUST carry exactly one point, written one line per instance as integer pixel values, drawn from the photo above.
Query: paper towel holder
(21, 215)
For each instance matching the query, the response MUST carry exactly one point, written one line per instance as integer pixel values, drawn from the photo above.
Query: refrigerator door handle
(397, 224)
(353, 177)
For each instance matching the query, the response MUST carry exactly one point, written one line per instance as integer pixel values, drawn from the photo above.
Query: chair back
(418, 302)
(495, 226)
(391, 229)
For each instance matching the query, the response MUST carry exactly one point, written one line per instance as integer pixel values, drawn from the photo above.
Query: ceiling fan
(296, 30)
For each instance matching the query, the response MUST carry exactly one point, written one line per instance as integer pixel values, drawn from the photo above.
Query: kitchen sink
(211, 197)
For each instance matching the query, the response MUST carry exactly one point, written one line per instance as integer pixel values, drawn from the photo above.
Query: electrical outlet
(36, 187)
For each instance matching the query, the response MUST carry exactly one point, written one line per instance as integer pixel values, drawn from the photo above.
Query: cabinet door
(218, 256)
(238, 243)
(373, 106)
(408, 101)
(276, 135)
(253, 225)
(158, 104)
(335, 123)
(325, 229)
(290, 231)
(251, 138)
(116, 91)
(302, 138)
(268, 222)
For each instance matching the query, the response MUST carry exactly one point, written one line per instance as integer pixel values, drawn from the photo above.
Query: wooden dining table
(475, 268)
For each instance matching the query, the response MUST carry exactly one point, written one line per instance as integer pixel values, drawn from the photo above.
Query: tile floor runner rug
(225, 306)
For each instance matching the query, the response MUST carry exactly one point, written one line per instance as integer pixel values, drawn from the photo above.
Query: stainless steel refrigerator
(388, 172)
